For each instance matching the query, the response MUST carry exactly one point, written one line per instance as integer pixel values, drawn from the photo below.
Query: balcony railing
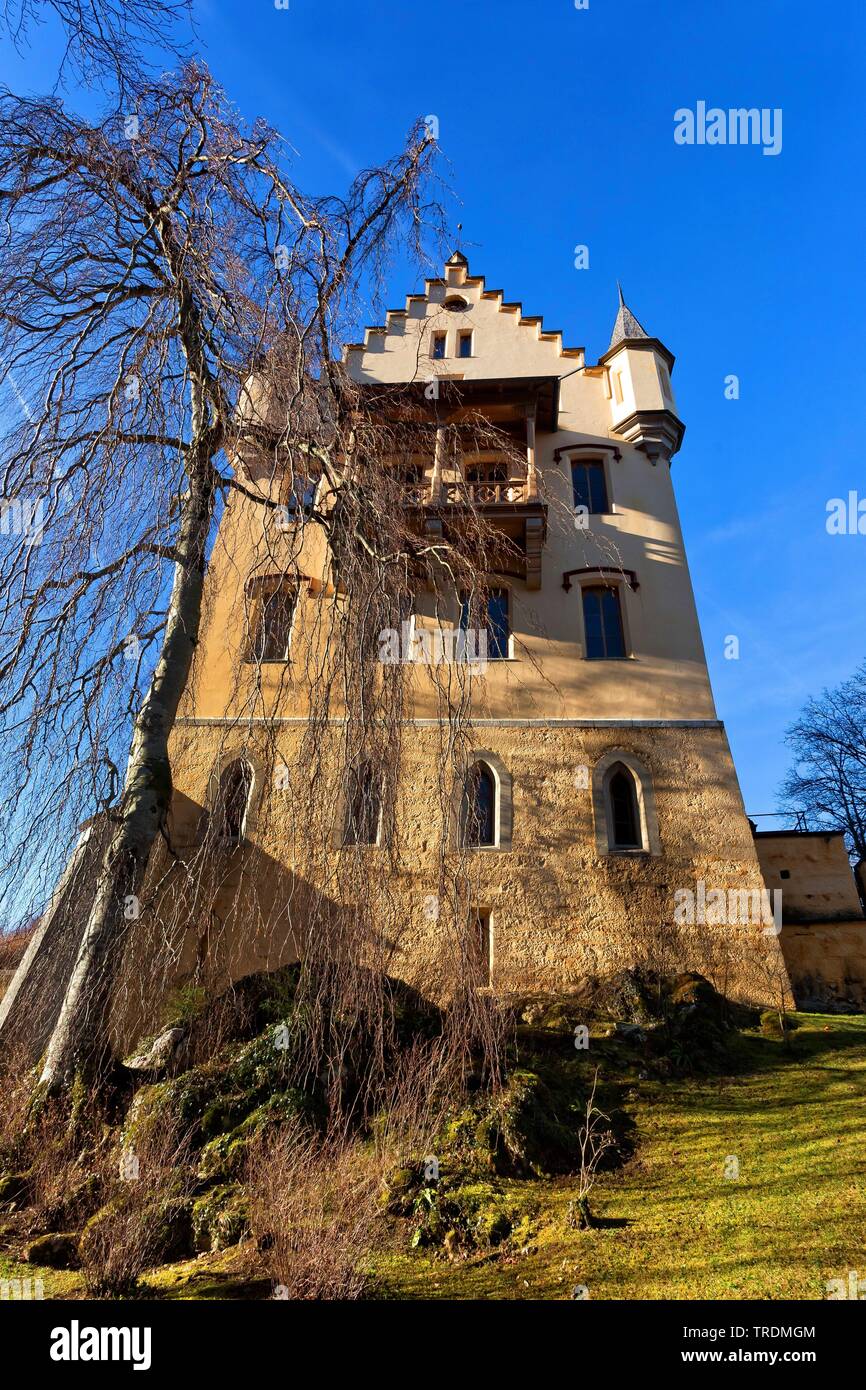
(509, 492)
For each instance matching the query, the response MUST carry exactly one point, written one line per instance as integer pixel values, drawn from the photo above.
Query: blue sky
(558, 125)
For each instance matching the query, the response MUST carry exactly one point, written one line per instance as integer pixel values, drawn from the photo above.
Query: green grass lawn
(674, 1227)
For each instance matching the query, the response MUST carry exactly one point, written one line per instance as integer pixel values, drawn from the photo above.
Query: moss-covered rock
(556, 1013)
(160, 1230)
(56, 1251)
(532, 1125)
(225, 1156)
(14, 1190)
(213, 1100)
(469, 1216)
(220, 1218)
(399, 1189)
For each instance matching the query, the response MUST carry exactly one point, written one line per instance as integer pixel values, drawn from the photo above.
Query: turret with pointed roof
(638, 368)
(626, 326)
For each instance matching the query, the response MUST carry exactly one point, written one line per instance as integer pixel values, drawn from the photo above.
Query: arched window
(363, 806)
(233, 798)
(623, 812)
(478, 820)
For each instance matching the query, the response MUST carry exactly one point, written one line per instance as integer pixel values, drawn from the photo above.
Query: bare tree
(104, 39)
(828, 777)
(143, 280)
(594, 1142)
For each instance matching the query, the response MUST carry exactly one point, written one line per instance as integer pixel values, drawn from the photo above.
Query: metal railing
(798, 816)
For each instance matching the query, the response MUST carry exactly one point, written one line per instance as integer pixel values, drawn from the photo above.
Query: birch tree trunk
(80, 1041)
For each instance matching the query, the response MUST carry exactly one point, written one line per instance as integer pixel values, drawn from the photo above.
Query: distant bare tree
(828, 777)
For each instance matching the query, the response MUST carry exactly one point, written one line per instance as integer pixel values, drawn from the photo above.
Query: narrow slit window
(363, 807)
(480, 947)
(464, 344)
(479, 807)
(439, 342)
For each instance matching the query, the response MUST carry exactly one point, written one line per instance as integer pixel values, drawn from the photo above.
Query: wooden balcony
(443, 489)
(506, 504)
(509, 492)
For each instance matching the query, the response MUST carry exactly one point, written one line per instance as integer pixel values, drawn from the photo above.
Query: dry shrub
(68, 1155)
(146, 1218)
(16, 1085)
(13, 944)
(313, 1212)
(315, 1201)
(425, 1080)
(55, 1146)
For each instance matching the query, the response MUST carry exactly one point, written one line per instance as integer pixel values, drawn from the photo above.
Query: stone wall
(813, 872)
(559, 909)
(826, 962)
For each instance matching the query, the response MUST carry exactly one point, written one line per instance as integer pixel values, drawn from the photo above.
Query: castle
(599, 790)
(601, 777)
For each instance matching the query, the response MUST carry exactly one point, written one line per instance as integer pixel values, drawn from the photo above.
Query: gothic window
(602, 622)
(233, 798)
(623, 812)
(363, 806)
(478, 817)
